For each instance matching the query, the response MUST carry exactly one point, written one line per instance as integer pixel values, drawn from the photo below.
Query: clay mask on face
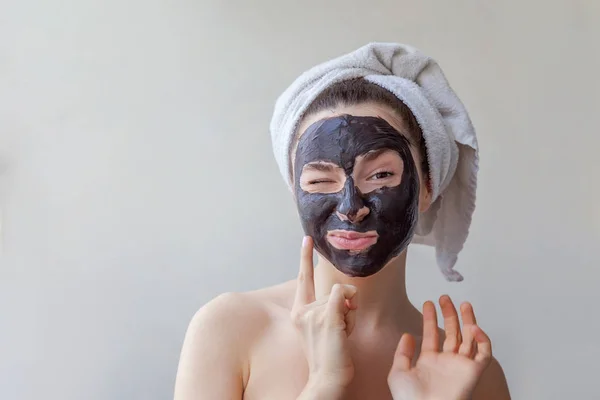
(358, 218)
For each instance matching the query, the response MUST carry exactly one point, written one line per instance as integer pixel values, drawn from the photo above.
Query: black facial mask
(393, 211)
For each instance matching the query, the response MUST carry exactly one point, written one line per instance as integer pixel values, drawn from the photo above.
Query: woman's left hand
(450, 374)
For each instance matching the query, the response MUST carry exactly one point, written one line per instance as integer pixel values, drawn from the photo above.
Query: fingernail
(304, 241)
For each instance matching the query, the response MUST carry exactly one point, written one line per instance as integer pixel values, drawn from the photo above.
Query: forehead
(358, 110)
(346, 136)
(341, 140)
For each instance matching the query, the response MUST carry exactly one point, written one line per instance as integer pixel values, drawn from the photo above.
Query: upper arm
(492, 385)
(212, 361)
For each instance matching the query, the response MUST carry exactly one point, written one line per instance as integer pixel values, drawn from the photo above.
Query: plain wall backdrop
(137, 180)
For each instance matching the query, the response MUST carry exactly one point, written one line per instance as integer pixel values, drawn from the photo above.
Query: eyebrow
(321, 166)
(373, 154)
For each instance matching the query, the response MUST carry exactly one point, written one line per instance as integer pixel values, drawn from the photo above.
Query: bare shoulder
(492, 385)
(214, 361)
(241, 316)
(280, 296)
(225, 313)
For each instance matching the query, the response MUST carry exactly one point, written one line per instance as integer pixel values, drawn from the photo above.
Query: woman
(363, 141)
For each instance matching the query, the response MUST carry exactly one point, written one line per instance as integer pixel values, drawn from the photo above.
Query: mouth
(352, 240)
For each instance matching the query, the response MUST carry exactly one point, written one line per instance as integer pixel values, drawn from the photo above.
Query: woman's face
(357, 185)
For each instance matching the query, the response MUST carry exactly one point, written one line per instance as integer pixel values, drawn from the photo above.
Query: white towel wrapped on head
(452, 151)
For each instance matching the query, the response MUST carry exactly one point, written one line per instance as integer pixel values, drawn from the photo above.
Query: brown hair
(359, 91)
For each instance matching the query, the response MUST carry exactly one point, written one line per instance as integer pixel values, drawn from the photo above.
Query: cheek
(390, 204)
(418, 161)
(424, 190)
(383, 203)
(316, 206)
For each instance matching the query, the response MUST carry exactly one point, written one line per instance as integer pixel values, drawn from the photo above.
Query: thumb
(404, 353)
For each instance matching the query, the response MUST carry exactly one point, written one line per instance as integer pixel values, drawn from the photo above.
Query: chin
(359, 272)
(364, 269)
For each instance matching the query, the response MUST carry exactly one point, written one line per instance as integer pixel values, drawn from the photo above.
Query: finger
(336, 306)
(350, 310)
(350, 320)
(484, 345)
(316, 304)
(467, 347)
(467, 314)
(305, 289)
(351, 303)
(451, 325)
(404, 353)
(430, 328)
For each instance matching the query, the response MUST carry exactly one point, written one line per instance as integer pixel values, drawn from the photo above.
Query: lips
(352, 240)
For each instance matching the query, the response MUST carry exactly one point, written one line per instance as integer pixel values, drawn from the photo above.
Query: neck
(381, 297)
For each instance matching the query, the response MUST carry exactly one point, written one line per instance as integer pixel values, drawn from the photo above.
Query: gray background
(137, 181)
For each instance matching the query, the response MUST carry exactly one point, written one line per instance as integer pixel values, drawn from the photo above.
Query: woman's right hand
(324, 326)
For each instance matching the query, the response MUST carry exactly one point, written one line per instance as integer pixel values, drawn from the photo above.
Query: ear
(425, 196)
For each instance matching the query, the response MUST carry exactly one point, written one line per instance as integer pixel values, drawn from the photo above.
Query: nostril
(353, 217)
(341, 216)
(362, 213)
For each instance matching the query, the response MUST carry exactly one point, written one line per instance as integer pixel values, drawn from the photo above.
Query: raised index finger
(305, 286)
(431, 341)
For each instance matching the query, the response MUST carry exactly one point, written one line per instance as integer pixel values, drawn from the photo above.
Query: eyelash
(388, 174)
(317, 181)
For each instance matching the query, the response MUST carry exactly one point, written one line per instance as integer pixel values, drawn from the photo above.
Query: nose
(354, 218)
(352, 207)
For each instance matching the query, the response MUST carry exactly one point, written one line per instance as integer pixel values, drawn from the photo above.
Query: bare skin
(245, 345)
(328, 336)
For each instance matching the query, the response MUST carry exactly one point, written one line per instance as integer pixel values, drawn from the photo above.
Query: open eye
(378, 169)
(381, 175)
